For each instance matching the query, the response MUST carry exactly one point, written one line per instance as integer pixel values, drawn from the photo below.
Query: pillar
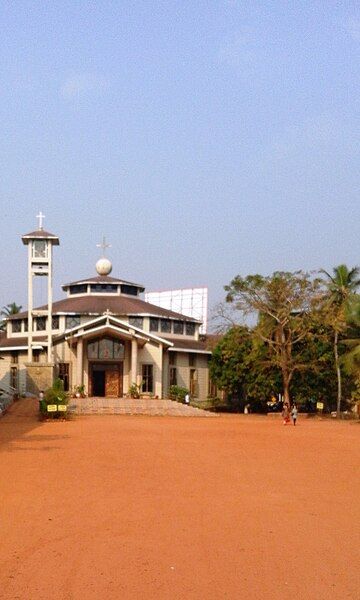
(79, 362)
(134, 353)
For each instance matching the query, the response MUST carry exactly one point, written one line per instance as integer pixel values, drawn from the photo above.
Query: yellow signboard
(52, 407)
(320, 405)
(62, 407)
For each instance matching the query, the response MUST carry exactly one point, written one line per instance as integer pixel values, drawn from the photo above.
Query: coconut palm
(342, 286)
(9, 309)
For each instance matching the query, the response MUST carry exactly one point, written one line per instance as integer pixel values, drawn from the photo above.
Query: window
(172, 376)
(14, 358)
(130, 290)
(78, 289)
(103, 288)
(179, 327)
(55, 322)
(16, 326)
(147, 379)
(192, 359)
(64, 375)
(105, 349)
(190, 328)
(165, 326)
(39, 249)
(154, 324)
(25, 325)
(14, 377)
(136, 322)
(193, 383)
(212, 389)
(40, 323)
(36, 356)
(72, 321)
(172, 358)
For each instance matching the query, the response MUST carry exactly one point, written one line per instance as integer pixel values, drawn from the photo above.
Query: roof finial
(40, 216)
(103, 245)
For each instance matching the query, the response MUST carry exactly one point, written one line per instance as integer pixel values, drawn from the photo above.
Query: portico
(110, 353)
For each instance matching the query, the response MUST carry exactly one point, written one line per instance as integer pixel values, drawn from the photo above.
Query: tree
(238, 365)
(283, 303)
(7, 311)
(351, 358)
(342, 286)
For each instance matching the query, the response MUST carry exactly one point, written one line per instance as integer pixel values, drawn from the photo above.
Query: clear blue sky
(204, 139)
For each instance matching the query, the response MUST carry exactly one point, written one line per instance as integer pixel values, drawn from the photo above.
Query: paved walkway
(130, 406)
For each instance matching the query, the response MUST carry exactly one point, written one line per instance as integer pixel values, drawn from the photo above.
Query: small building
(102, 336)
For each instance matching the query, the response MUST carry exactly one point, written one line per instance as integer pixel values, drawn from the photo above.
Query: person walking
(286, 413)
(294, 413)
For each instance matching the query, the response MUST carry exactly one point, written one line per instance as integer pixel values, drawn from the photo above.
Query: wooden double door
(106, 379)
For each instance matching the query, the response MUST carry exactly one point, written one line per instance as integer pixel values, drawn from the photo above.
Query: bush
(54, 395)
(178, 393)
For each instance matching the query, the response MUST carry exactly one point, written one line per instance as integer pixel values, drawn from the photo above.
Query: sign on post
(52, 407)
(320, 405)
(62, 407)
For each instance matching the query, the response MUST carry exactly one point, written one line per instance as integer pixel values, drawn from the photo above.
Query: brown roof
(118, 305)
(16, 342)
(40, 234)
(189, 345)
(102, 279)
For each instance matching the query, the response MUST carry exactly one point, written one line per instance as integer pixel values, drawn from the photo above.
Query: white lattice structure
(191, 302)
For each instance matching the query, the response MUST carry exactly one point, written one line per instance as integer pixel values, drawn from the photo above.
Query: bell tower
(40, 245)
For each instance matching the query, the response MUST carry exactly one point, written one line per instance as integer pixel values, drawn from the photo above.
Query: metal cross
(103, 245)
(40, 216)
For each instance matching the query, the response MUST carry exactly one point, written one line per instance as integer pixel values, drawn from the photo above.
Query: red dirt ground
(109, 507)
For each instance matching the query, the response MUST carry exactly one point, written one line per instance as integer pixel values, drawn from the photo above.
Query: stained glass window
(72, 321)
(105, 349)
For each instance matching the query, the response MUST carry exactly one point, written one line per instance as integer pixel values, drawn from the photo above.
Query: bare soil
(112, 507)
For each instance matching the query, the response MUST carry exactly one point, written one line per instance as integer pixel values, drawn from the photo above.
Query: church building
(101, 338)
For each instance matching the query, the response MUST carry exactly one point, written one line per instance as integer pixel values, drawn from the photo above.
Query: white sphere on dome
(103, 266)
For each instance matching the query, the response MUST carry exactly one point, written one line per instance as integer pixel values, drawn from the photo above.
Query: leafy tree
(238, 366)
(7, 311)
(283, 303)
(351, 358)
(342, 286)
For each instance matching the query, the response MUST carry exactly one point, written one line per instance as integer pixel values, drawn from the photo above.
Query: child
(294, 413)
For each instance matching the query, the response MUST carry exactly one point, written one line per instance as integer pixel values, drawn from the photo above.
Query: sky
(204, 139)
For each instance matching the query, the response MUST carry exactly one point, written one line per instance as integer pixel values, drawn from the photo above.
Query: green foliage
(283, 303)
(178, 393)
(54, 395)
(240, 366)
(9, 309)
(134, 390)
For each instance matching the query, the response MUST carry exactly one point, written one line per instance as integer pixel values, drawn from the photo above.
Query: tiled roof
(40, 234)
(18, 342)
(102, 279)
(118, 305)
(195, 345)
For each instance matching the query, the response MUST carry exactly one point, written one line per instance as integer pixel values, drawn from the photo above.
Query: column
(79, 362)
(134, 352)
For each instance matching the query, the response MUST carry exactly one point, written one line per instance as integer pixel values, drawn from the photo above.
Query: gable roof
(118, 305)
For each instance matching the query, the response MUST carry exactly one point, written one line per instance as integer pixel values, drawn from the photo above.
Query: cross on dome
(103, 245)
(40, 216)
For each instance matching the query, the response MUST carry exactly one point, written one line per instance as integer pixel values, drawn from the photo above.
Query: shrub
(54, 395)
(178, 393)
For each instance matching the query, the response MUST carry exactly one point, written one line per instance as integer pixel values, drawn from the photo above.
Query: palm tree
(9, 309)
(351, 359)
(342, 286)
